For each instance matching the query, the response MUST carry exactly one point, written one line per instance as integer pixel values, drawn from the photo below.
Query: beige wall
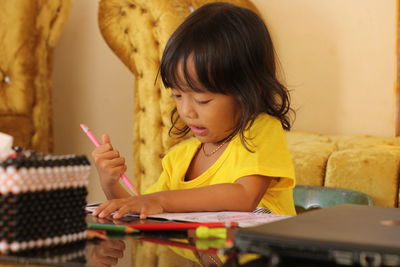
(338, 58)
(91, 86)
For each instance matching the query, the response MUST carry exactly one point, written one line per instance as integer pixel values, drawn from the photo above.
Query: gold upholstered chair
(137, 31)
(28, 30)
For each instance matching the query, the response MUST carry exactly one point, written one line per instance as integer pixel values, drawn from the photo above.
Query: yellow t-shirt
(270, 157)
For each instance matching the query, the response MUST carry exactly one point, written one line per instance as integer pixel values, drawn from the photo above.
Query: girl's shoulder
(264, 130)
(265, 122)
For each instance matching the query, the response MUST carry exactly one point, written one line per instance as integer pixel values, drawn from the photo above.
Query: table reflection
(107, 252)
(149, 251)
(160, 248)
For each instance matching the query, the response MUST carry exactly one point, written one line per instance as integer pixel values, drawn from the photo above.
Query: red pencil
(180, 225)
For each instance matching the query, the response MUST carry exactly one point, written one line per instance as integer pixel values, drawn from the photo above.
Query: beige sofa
(364, 163)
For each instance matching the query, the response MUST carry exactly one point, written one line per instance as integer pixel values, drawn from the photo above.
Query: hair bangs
(198, 59)
(210, 67)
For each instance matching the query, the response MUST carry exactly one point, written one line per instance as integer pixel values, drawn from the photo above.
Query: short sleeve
(269, 155)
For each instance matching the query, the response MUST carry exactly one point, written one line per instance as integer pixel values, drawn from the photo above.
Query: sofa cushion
(373, 171)
(310, 161)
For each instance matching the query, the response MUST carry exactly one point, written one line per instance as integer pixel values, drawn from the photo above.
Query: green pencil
(112, 228)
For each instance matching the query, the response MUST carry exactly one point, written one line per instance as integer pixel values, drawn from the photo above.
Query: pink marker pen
(97, 143)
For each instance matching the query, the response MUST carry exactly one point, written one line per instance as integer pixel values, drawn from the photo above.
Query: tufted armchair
(28, 30)
(137, 31)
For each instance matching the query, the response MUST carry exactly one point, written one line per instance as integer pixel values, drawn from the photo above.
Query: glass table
(162, 248)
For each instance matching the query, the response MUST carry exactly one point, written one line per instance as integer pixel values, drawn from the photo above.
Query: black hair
(233, 54)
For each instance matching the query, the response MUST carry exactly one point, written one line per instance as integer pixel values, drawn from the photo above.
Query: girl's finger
(106, 154)
(128, 206)
(99, 209)
(103, 148)
(121, 212)
(117, 162)
(106, 139)
(108, 208)
(143, 216)
(143, 213)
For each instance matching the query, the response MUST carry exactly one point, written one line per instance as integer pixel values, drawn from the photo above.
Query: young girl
(220, 66)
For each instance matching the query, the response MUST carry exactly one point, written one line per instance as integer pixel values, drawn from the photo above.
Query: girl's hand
(110, 165)
(144, 205)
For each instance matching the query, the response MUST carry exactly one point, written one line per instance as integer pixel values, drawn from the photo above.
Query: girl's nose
(187, 110)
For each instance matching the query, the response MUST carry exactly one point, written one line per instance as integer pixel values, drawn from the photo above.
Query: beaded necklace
(215, 150)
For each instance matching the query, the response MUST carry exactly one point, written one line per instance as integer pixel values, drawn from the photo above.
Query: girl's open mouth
(198, 130)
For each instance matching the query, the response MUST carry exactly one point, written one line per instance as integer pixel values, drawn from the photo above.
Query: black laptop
(346, 234)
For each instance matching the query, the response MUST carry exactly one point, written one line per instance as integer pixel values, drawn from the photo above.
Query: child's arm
(243, 195)
(109, 166)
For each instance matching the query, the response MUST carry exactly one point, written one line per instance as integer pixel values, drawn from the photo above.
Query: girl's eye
(176, 95)
(203, 102)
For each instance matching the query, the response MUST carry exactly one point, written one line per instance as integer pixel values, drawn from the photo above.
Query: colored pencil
(92, 234)
(180, 225)
(112, 228)
(94, 140)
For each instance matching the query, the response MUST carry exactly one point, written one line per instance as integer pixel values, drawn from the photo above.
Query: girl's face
(210, 116)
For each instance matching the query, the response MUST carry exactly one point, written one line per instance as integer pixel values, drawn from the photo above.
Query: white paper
(244, 219)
